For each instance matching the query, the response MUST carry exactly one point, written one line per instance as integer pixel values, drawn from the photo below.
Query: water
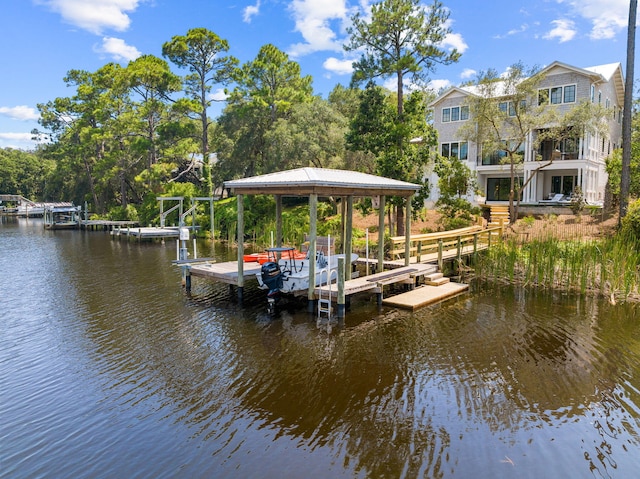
(108, 370)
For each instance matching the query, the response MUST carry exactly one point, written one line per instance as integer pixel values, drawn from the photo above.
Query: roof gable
(321, 181)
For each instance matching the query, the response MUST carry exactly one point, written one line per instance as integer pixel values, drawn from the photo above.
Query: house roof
(599, 73)
(323, 182)
(612, 71)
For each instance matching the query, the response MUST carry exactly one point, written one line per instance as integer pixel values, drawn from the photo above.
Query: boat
(30, 210)
(264, 256)
(284, 273)
(61, 217)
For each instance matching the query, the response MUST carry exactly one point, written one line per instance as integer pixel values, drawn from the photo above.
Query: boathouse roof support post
(407, 232)
(240, 241)
(349, 236)
(381, 233)
(343, 222)
(313, 233)
(279, 236)
(212, 218)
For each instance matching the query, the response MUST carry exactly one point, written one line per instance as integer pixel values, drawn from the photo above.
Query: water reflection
(125, 375)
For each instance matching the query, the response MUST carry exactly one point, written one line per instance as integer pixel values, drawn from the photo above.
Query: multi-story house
(578, 162)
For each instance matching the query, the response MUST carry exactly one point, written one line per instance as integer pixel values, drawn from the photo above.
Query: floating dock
(424, 295)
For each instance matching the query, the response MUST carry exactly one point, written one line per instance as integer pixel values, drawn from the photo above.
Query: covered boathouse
(315, 183)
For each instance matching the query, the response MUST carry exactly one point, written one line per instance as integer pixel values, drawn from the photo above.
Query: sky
(43, 39)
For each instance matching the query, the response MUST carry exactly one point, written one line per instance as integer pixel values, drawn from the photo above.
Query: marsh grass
(608, 267)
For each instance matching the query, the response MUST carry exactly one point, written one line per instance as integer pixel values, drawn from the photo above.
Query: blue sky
(43, 39)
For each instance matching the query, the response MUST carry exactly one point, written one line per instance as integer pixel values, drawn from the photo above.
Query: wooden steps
(435, 279)
(499, 215)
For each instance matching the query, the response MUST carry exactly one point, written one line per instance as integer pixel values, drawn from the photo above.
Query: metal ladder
(324, 304)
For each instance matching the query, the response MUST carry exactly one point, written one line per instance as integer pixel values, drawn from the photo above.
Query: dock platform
(375, 282)
(425, 295)
(106, 225)
(225, 272)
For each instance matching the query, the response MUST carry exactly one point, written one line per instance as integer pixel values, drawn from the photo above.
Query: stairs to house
(499, 213)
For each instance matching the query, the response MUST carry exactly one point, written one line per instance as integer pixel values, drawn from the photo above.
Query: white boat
(290, 275)
(30, 210)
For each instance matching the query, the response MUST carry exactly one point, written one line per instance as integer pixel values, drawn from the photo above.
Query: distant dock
(149, 232)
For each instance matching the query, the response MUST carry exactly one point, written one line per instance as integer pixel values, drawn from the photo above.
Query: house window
(593, 93)
(498, 188)
(563, 184)
(508, 107)
(557, 95)
(455, 113)
(455, 150)
(499, 157)
(569, 94)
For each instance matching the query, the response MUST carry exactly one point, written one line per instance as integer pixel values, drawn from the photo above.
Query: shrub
(631, 221)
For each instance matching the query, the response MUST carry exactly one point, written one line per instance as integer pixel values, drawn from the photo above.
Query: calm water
(108, 370)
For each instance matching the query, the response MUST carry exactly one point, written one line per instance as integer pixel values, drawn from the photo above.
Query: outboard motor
(271, 277)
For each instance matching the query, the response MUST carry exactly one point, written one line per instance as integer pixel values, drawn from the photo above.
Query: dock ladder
(324, 303)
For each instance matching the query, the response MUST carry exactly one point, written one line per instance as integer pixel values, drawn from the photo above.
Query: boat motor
(271, 277)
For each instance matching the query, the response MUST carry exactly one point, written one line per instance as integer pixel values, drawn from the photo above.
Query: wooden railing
(430, 247)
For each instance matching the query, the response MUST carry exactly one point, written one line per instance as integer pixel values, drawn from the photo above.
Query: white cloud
(219, 95)
(313, 20)
(607, 17)
(118, 49)
(453, 40)
(20, 112)
(250, 12)
(95, 16)
(21, 141)
(439, 85)
(563, 31)
(468, 73)
(339, 67)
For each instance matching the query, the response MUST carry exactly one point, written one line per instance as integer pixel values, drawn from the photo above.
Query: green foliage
(455, 181)
(577, 201)
(630, 224)
(400, 38)
(528, 221)
(123, 213)
(607, 267)
(24, 173)
(267, 90)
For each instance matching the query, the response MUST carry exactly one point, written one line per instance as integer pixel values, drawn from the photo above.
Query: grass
(609, 267)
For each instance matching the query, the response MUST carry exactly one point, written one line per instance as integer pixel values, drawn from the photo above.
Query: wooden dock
(106, 225)
(375, 283)
(425, 295)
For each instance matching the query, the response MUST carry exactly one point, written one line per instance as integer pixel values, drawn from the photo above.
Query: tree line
(130, 133)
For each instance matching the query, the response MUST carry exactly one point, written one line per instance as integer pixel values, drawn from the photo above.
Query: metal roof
(323, 182)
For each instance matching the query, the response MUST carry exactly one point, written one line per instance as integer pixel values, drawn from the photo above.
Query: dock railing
(446, 244)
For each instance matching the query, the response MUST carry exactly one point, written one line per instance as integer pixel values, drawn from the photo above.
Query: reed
(608, 267)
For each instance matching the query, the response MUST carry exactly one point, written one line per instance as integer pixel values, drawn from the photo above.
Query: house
(579, 162)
